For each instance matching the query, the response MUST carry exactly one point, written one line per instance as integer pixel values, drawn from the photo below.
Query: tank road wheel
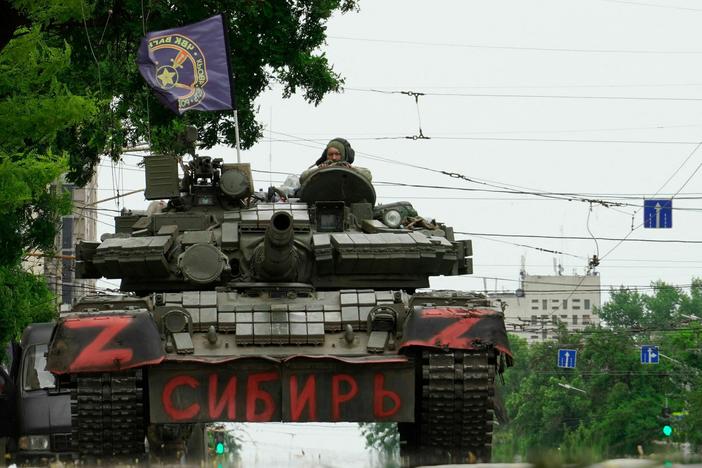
(107, 414)
(453, 409)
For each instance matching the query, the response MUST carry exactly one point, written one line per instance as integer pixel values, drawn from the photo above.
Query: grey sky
(609, 48)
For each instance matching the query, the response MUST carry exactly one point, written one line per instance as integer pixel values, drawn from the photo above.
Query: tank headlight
(175, 321)
(392, 218)
(34, 442)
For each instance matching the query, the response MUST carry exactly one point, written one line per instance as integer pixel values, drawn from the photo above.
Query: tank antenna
(236, 136)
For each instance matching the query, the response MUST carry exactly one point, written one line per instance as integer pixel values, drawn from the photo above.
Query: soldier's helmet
(344, 147)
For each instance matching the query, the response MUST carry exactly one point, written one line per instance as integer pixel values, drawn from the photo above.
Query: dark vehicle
(35, 417)
(244, 307)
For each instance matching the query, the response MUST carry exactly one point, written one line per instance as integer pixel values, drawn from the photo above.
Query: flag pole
(236, 136)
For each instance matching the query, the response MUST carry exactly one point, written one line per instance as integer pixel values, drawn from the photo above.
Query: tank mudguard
(104, 343)
(456, 328)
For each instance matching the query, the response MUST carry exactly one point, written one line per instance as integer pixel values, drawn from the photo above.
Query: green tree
(626, 308)
(24, 299)
(270, 42)
(35, 108)
(71, 93)
(623, 398)
(632, 309)
(385, 438)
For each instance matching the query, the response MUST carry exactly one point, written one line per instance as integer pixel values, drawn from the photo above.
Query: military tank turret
(243, 307)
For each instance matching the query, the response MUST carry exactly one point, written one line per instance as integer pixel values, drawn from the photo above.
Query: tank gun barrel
(278, 260)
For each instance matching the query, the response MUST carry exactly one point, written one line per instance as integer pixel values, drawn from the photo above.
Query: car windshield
(35, 374)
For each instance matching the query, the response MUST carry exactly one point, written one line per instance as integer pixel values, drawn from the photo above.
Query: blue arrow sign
(658, 214)
(567, 358)
(649, 354)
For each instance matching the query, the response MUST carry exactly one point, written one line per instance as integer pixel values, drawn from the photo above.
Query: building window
(564, 317)
(565, 304)
(575, 319)
(544, 304)
(533, 319)
(67, 233)
(576, 304)
(586, 319)
(587, 304)
(534, 337)
(534, 304)
(554, 319)
(555, 303)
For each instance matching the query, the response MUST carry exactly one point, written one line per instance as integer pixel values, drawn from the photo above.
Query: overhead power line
(568, 286)
(653, 5)
(545, 86)
(520, 139)
(518, 48)
(532, 96)
(612, 239)
(384, 135)
(605, 200)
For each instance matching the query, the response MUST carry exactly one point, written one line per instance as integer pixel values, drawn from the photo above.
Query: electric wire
(531, 96)
(653, 5)
(508, 139)
(611, 239)
(516, 48)
(697, 147)
(601, 287)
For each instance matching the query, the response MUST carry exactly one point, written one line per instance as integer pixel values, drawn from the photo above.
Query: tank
(242, 307)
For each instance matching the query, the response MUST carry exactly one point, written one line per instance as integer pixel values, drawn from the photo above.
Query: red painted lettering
(379, 395)
(308, 397)
(177, 414)
(94, 356)
(228, 398)
(255, 394)
(337, 398)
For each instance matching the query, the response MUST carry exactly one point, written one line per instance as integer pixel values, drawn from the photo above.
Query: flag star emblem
(167, 78)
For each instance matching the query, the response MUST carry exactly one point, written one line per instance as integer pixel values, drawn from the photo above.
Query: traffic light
(220, 445)
(666, 419)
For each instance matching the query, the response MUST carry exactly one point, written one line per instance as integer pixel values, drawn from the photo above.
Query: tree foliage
(24, 299)
(35, 107)
(632, 309)
(385, 439)
(70, 92)
(270, 42)
(623, 399)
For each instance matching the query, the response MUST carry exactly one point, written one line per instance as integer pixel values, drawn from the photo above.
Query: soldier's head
(335, 151)
(342, 147)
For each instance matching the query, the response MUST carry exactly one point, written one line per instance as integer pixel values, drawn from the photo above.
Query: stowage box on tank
(243, 307)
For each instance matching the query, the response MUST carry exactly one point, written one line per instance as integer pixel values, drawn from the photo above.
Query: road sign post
(649, 354)
(567, 358)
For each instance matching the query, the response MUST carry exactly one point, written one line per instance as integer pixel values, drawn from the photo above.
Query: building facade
(81, 224)
(543, 301)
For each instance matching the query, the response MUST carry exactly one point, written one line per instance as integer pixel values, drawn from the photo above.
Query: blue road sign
(567, 358)
(658, 214)
(649, 354)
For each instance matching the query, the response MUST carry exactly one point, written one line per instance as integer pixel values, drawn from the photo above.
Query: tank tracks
(107, 413)
(455, 413)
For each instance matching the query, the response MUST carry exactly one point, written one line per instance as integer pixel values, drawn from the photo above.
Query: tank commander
(338, 152)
